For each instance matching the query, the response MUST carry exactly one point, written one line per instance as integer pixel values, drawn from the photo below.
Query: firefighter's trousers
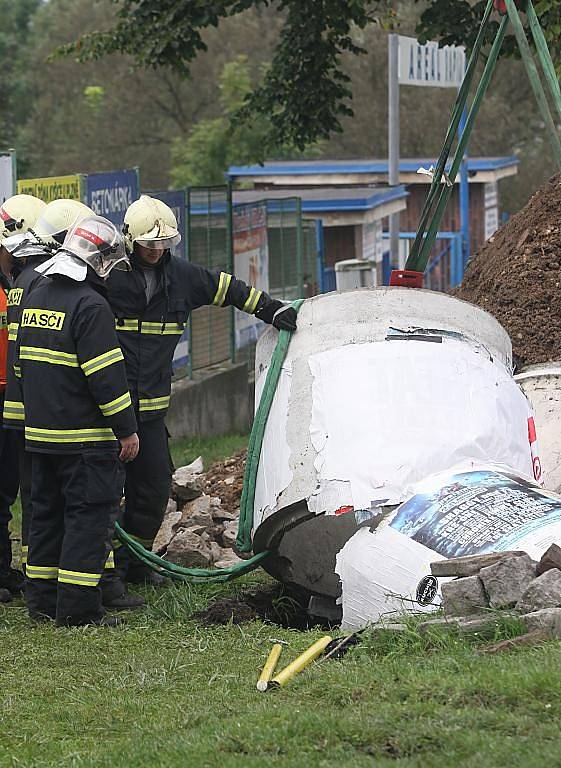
(8, 488)
(24, 466)
(75, 500)
(147, 489)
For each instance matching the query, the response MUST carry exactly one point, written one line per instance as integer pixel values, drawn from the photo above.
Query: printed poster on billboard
(110, 194)
(251, 263)
(7, 173)
(51, 188)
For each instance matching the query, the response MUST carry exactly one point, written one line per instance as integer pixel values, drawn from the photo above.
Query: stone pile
(199, 528)
(504, 581)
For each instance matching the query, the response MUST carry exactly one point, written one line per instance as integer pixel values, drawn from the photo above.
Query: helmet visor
(159, 243)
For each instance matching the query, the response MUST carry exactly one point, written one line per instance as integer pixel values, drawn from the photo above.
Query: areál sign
(430, 65)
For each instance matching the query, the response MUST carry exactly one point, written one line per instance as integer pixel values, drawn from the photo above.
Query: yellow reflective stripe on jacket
(117, 405)
(126, 324)
(168, 329)
(17, 371)
(14, 409)
(13, 331)
(41, 571)
(24, 552)
(45, 355)
(223, 285)
(153, 403)
(102, 361)
(252, 301)
(3, 320)
(79, 578)
(150, 327)
(110, 562)
(68, 435)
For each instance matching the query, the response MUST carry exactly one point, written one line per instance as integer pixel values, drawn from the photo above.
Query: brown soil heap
(516, 277)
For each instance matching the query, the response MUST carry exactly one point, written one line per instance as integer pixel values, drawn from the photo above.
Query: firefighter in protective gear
(77, 411)
(16, 214)
(151, 306)
(28, 251)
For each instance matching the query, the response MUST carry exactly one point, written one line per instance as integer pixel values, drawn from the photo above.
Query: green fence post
(299, 250)
(188, 256)
(230, 269)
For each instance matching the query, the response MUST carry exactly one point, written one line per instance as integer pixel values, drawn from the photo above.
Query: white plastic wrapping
(488, 509)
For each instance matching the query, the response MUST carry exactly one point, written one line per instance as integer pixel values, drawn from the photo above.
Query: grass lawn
(165, 691)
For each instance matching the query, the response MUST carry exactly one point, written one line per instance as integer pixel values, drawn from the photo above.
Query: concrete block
(506, 580)
(189, 549)
(542, 592)
(546, 618)
(550, 559)
(216, 402)
(469, 565)
(463, 597)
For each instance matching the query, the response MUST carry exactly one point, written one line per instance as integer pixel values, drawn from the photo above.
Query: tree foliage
(306, 91)
(16, 22)
(216, 143)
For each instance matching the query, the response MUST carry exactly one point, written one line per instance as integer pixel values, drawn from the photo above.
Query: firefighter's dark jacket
(13, 416)
(149, 332)
(72, 370)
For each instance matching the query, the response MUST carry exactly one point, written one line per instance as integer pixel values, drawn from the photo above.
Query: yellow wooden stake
(301, 662)
(269, 668)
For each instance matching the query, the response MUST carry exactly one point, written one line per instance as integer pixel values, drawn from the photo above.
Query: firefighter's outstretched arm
(101, 360)
(223, 290)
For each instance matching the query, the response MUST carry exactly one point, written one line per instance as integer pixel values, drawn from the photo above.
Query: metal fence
(209, 243)
(266, 243)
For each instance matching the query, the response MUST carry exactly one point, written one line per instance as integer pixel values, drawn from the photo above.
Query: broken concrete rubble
(468, 565)
(464, 596)
(188, 482)
(189, 549)
(546, 618)
(201, 521)
(506, 580)
(542, 592)
(550, 559)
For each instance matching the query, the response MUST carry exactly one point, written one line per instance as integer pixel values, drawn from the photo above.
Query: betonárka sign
(110, 194)
(429, 65)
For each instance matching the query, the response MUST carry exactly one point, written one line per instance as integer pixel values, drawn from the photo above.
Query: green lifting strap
(424, 240)
(214, 575)
(457, 112)
(533, 74)
(419, 262)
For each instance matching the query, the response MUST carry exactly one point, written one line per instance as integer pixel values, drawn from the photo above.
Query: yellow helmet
(150, 223)
(57, 218)
(18, 213)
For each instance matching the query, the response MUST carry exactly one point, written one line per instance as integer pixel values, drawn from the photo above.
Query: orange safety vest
(3, 337)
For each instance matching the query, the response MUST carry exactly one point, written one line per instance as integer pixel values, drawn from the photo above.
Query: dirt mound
(275, 604)
(225, 480)
(516, 277)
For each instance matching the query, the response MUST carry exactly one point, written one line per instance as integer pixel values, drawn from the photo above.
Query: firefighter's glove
(285, 319)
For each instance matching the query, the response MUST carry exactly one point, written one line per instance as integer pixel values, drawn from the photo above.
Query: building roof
(346, 172)
(325, 199)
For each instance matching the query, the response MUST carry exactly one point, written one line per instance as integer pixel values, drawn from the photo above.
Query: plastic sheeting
(488, 509)
(386, 415)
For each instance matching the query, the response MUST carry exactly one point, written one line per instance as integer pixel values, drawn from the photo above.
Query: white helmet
(93, 241)
(150, 223)
(18, 213)
(57, 218)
